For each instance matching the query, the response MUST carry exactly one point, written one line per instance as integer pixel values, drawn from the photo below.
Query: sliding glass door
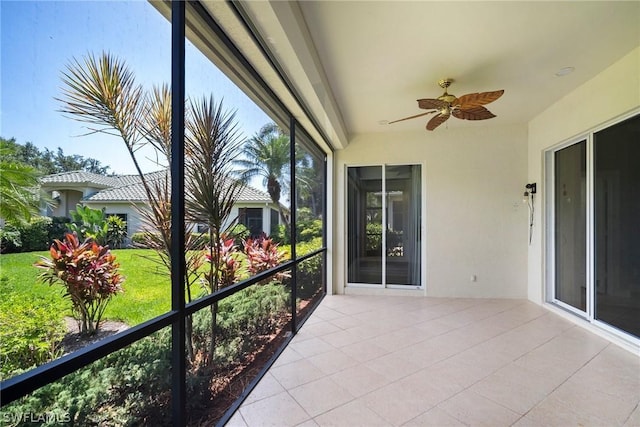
(384, 217)
(571, 225)
(595, 227)
(617, 225)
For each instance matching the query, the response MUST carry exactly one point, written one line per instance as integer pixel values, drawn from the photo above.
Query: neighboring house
(124, 195)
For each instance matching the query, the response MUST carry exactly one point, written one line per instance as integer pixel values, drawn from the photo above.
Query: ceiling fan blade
(413, 117)
(437, 121)
(431, 104)
(472, 100)
(475, 113)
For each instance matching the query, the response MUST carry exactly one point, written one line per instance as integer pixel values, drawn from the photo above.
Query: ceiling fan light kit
(466, 107)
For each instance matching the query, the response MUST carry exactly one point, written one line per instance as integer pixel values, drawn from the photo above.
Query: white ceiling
(355, 64)
(379, 57)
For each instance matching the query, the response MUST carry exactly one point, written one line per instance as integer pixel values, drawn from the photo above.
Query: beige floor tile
(342, 338)
(364, 350)
(280, 410)
(432, 385)
(472, 409)
(634, 418)
(287, 356)
(392, 366)
(325, 313)
(459, 375)
(346, 322)
(396, 404)
(320, 396)
(445, 361)
(268, 386)
(308, 423)
(236, 421)
(480, 359)
(311, 347)
(552, 412)
(539, 360)
(516, 388)
(434, 417)
(614, 410)
(614, 372)
(359, 380)
(400, 338)
(322, 328)
(296, 373)
(333, 361)
(353, 414)
(433, 328)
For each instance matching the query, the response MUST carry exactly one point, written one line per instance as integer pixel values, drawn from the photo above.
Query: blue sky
(38, 40)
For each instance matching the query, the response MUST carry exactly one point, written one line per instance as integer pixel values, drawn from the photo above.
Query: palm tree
(18, 187)
(266, 155)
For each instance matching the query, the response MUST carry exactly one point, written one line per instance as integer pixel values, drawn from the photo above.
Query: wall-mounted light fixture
(528, 198)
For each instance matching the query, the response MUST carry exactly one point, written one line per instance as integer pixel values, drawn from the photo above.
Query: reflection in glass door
(384, 217)
(617, 225)
(571, 225)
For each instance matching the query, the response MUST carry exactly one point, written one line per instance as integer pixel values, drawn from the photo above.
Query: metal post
(178, 363)
(292, 223)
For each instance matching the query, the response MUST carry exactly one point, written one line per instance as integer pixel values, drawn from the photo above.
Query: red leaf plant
(262, 254)
(228, 266)
(89, 274)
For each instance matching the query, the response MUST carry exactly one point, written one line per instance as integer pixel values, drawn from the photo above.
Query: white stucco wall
(134, 222)
(476, 223)
(612, 93)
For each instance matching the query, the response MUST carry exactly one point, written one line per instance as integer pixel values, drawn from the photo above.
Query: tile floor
(396, 361)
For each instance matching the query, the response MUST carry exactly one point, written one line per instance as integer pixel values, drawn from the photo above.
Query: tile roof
(129, 188)
(81, 177)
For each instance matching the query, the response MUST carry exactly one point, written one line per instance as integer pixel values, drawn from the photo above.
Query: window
(594, 237)
(252, 219)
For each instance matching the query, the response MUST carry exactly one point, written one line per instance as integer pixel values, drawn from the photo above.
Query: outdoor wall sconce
(528, 198)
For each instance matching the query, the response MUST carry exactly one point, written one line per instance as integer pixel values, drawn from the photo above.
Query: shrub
(263, 254)
(89, 223)
(308, 227)
(90, 276)
(36, 235)
(244, 319)
(228, 265)
(128, 387)
(116, 231)
(31, 330)
(139, 240)
(9, 239)
(374, 238)
(60, 225)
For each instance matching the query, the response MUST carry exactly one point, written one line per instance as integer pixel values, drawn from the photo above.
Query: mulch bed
(74, 340)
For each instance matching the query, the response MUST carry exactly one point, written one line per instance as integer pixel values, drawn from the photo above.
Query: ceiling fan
(467, 107)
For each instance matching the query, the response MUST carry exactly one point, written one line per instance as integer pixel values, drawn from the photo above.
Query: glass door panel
(617, 225)
(383, 233)
(571, 225)
(364, 224)
(403, 217)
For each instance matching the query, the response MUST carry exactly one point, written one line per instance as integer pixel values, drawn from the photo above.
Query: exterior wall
(134, 222)
(474, 220)
(68, 200)
(612, 93)
(266, 214)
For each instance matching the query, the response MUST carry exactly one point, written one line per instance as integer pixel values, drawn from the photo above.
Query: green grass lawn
(147, 289)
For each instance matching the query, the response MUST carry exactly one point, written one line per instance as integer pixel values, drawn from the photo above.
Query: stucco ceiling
(379, 57)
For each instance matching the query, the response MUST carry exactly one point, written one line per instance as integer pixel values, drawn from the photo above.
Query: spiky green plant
(18, 183)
